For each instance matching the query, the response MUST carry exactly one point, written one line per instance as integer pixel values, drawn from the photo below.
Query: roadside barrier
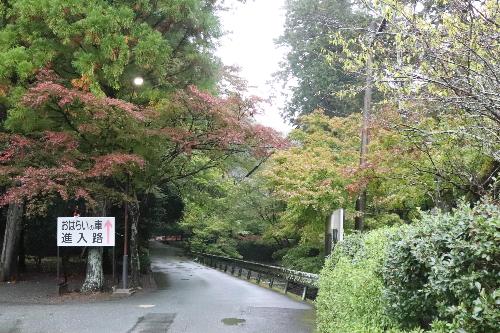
(301, 283)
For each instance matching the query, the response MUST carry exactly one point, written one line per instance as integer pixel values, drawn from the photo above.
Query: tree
(102, 45)
(104, 140)
(73, 162)
(98, 47)
(223, 205)
(321, 171)
(440, 58)
(311, 58)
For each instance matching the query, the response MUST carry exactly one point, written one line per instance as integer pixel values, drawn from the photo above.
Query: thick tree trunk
(8, 259)
(94, 277)
(21, 263)
(135, 265)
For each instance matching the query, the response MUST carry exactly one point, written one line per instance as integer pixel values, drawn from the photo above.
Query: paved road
(191, 298)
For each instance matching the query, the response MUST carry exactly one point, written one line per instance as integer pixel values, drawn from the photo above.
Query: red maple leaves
(65, 161)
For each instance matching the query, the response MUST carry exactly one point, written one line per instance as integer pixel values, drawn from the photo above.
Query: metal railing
(307, 282)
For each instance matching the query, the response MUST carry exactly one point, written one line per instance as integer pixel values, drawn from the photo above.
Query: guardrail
(291, 279)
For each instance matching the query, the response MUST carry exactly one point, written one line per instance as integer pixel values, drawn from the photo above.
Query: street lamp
(138, 81)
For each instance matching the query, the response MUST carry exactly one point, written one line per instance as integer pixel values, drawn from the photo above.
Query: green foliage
(102, 45)
(144, 260)
(351, 286)
(319, 78)
(256, 250)
(221, 208)
(304, 258)
(446, 269)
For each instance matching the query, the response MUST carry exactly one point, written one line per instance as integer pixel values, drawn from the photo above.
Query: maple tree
(97, 135)
(321, 172)
(97, 47)
(72, 162)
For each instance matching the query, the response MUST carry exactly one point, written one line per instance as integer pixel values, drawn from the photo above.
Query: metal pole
(304, 293)
(114, 264)
(58, 265)
(125, 250)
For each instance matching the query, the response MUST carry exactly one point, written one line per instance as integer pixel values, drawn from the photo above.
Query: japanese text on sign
(85, 231)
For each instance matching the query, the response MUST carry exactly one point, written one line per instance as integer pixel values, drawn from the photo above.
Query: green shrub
(304, 258)
(350, 294)
(446, 270)
(222, 246)
(258, 250)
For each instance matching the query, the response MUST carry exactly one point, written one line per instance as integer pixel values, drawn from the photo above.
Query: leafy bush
(446, 270)
(350, 294)
(303, 258)
(259, 250)
(222, 246)
(383, 220)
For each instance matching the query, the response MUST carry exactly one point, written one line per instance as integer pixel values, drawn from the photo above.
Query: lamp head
(138, 81)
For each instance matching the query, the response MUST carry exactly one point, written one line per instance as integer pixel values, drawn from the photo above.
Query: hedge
(440, 274)
(350, 293)
(444, 272)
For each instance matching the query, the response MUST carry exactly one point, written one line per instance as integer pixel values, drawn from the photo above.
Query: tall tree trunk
(359, 220)
(94, 277)
(135, 265)
(8, 259)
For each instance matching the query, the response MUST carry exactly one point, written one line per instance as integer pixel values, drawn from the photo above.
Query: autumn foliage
(97, 136)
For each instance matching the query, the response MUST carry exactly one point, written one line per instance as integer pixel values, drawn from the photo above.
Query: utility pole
(359, 220)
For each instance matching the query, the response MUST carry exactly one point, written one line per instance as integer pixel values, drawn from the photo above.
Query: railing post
(304, 293)
(265, 273)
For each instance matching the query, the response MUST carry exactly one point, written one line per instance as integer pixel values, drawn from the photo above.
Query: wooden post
(286, 286)
(304, 293)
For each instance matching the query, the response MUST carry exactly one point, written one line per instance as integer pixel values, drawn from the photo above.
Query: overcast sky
(249, 43)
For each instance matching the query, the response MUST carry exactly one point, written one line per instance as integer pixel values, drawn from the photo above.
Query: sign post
(334, 230)
(84, 231)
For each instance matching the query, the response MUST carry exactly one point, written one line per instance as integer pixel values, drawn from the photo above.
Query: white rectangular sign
(338, 223)
(85, 231)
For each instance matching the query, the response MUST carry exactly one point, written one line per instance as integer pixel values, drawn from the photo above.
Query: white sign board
(85, 231)
(338, 223)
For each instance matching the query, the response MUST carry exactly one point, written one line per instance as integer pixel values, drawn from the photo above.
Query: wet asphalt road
(191, 298)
